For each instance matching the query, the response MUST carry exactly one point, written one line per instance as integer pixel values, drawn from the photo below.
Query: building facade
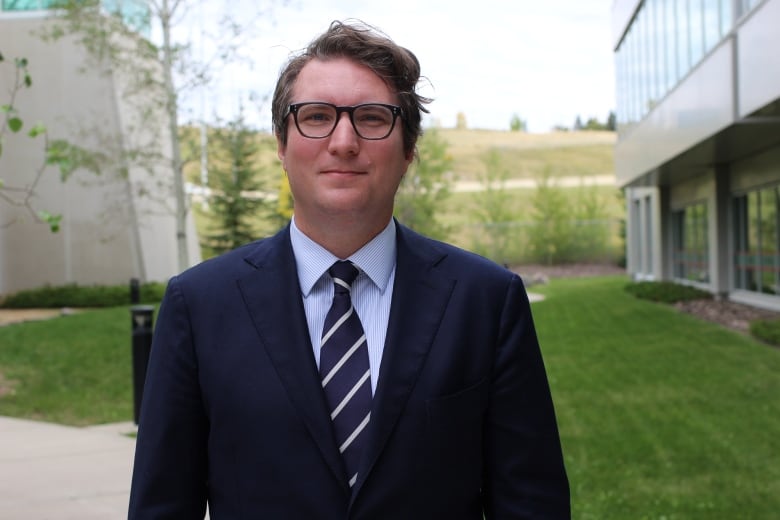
(115, 226)
(698, 149)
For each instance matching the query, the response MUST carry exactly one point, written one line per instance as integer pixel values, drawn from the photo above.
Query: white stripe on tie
(343, 360)
(335, 327)
(355, 433)
(349, 395)
(353, 480)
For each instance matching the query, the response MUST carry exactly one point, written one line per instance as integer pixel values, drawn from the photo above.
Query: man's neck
(341, 237)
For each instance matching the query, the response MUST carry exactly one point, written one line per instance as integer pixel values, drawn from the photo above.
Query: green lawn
(662, 416)
(71, 370)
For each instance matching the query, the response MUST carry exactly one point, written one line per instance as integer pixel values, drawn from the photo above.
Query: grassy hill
(564, 154)
(575, 156)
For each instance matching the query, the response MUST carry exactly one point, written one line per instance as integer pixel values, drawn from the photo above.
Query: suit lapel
(410, 332)
(273, 297)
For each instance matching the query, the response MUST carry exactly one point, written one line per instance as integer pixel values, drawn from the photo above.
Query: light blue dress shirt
(372, 290)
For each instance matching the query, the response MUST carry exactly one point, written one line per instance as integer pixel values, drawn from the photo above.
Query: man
(423, 395)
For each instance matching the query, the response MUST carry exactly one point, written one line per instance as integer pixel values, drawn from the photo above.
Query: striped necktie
(344, 369)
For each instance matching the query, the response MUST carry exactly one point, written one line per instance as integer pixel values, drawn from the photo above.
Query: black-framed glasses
(317, 120)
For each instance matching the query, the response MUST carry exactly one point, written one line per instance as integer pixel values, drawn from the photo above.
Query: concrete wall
(111, 231)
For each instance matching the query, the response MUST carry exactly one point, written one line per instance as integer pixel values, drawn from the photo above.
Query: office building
(698, 149)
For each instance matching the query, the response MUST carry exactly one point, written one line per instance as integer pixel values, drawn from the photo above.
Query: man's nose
(344, 136)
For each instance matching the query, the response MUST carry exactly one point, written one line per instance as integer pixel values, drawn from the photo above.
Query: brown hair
(396, 65)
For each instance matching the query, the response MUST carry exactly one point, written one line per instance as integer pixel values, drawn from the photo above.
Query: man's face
(342, 176)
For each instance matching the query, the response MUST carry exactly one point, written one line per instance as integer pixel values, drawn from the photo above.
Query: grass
(661, 415)
(71, 370)
(530, 155)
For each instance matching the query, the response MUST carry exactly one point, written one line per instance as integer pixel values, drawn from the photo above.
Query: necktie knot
(343, 274)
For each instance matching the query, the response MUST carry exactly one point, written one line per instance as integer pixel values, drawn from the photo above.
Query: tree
(239, 204)
(157, 76)
(460, 123)
(494, 210)
(284, 207)
(551, 233)
(516, 124)
(426, 186)
(577, 124)
(55, 152)
(593, 124)
(612, 121)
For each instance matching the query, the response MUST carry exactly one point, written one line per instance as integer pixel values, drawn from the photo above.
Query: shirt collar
(376, 258)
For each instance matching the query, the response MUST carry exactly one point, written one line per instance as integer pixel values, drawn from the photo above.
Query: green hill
(564, 154)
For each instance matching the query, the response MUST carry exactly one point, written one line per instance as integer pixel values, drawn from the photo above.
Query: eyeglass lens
(370, 121)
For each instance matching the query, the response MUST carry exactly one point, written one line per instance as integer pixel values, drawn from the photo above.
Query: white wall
(109, 232)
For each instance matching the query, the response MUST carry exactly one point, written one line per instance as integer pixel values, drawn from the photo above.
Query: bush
(766, 330)
(666, 292)
(73, 295)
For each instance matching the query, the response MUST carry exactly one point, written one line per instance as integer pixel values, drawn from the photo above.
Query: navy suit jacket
(462, 421)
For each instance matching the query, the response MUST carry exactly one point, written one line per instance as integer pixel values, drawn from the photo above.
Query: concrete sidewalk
(49, 471)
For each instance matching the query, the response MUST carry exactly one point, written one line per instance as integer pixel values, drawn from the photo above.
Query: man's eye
(373, 118)
(317, 117)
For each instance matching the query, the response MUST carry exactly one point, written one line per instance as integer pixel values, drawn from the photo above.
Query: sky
(547, 61)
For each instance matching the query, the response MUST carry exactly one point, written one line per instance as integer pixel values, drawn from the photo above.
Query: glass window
(696, 28)
(635, 244)
(711, 20)
(641, 63)
(620, 84)
(690, 256)
(647, 239)
(726, 17)
(670, 35)
(744, 6)
(757, 254)
(625, 57)
(659, 34)
(683, 40)
(26, 5)
(634, 74)
(135, 13)
(651, 8)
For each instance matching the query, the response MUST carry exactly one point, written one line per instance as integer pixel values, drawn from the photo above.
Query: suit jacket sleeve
(170, 469)
(524, 470)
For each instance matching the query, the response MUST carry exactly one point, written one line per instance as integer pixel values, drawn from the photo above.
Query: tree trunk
(176, 161)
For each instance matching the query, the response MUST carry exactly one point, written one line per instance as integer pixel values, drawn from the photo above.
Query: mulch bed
(729, 314)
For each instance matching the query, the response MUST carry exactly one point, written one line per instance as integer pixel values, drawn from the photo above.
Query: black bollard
(135, 291)
(142, 318)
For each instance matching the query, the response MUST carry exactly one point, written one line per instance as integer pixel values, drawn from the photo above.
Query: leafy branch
(56, 152)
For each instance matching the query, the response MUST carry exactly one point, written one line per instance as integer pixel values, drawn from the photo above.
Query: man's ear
(410, 156)
(281, 151)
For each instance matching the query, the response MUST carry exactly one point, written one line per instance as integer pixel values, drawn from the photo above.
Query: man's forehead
(341, 75)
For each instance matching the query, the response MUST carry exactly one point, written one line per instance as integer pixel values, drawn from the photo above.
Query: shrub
(666, 292)
(73, 295)
(766, 330)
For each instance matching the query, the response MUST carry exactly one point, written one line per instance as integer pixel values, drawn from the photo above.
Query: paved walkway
(49, 471)
(563, 182)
